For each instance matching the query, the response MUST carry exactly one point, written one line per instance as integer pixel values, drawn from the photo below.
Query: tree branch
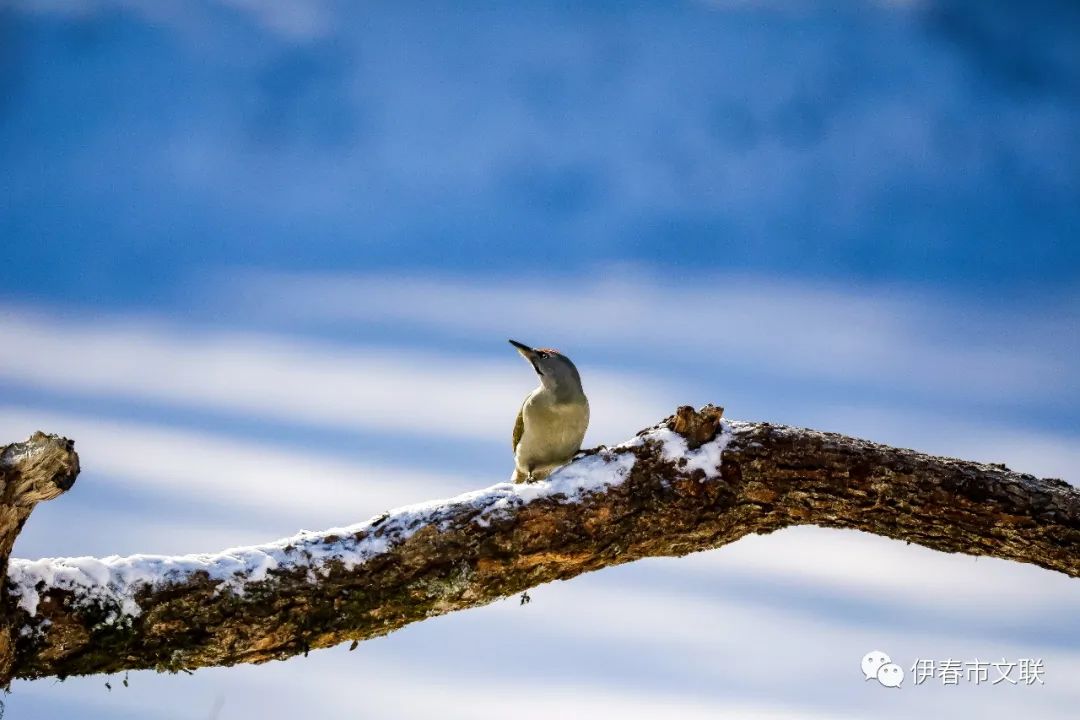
(664, 493)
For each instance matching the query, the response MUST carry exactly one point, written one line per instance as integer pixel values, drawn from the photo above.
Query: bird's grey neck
(563, 392)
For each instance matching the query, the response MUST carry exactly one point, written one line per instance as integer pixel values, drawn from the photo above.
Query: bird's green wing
(519, 427)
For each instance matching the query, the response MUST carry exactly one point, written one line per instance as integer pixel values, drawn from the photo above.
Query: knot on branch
(697, 426)
(39, 469)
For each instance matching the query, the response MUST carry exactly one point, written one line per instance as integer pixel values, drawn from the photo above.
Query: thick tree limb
(653, 496)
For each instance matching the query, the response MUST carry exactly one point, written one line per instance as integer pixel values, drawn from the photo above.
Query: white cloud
(359, 686)
(856, 565)
(792, 329)
(418, 394)
(254, 480)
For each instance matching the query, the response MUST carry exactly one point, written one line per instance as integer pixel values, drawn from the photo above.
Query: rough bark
(39, 469)
(469, 553)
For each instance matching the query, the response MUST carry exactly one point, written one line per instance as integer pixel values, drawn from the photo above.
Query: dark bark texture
(770, 477)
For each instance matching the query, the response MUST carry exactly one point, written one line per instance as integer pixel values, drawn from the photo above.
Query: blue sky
(927, 142)
(244, 242)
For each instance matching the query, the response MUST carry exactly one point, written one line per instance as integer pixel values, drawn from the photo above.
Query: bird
(553, 418)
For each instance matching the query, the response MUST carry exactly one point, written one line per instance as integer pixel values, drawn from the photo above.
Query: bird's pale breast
(553, 431)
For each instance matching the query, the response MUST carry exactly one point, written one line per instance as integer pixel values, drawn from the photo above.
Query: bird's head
(554, 369)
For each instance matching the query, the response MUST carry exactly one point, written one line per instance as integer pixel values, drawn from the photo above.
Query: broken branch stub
(696, 426)
(39, 469)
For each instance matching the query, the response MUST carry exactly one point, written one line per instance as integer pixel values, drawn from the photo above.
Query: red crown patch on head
(550, 351)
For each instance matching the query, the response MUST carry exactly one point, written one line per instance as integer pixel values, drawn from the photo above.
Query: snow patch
(586, 475)
(706, 458)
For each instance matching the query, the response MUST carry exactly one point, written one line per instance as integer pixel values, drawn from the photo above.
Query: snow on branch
(691, 483)
(111, 584)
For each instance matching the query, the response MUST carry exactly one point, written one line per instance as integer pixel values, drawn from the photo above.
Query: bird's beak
(527, 352)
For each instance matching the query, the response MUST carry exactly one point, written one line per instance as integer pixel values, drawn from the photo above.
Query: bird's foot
(589, 451)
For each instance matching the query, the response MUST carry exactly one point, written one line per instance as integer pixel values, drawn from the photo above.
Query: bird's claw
(590, 451)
